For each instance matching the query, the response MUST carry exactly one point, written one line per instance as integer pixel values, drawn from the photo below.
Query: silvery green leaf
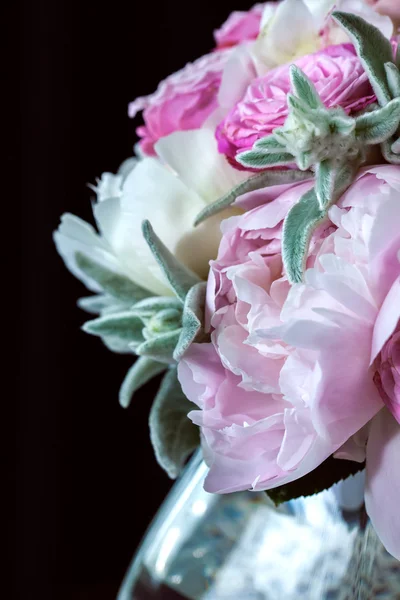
(305, 160)
(304, 88)
(179, 276)
(325, 183)
(112, 283)
(393, 79)
(373, 49)
(257, 182)
(163, 321)
(298, 227)
(391, 155)
(173, 435)
(341, 122)
(161, 347)
(396, 147)
(140, 373)
(95, 304)
(257, 159)
(124, 326)
(192, 318)
(298, 107)
(333, 179)
(379, 125)
(148, 307)
(269, 144)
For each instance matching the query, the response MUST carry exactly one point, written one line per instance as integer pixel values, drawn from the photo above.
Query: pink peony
(387, 378)
(240, 26)
(337, 74)
(183, 101)
(391, 8)
(287, 378)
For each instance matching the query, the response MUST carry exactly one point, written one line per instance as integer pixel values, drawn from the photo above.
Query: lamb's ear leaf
(373, 49)
(332, 180)
(379, 125)
(269, 145)
(173, 435)
(304, 88)
(192, 318)
(180, 277)
(391, 151)
(257, 159)
(322, 478)
(257, 182)
(393, 79)
(112, 283)
(148, 307)
(161, 347)
(94, 304)
(298, 227)
(139, 374)
(124, 326)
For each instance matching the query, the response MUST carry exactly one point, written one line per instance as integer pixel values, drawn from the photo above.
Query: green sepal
(112, 283)
(138, 375)
(331, 471)
(180, 277)
(304, 88)
(377, 126)
(373, 49)
(125, 326)
(160, 348)
(173, 435)
(298, 227)
(257, 182)
(257, 159)
(192, 318)
(393, 79)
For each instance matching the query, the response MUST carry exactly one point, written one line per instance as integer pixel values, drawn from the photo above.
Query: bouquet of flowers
(250, 253)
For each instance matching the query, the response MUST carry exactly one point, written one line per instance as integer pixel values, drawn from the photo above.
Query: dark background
(87, 481)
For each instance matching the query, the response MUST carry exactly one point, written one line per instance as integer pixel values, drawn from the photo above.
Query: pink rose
(240, 26)
(287, 378)
(336, 73)
(182, 101)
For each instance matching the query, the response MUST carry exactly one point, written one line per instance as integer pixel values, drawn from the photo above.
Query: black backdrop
(87, 482)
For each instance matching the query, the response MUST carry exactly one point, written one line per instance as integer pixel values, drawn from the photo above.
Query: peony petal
(383, 480)
(387, 319)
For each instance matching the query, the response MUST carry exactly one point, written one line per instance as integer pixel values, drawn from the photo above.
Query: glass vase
(241, 547)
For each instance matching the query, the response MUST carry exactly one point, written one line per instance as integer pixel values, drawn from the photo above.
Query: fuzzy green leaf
(333, 180)
(94, 304)
(139, 374)
(180, 277)
(390, 151)
(257, 159)
(160, 347)
(331, 471)
(379, 125)
(257, 182)
(192, 318)
(298, 107)
(125, 326)
(325, 183)
(269, 145)
(147, 308)
(304, 88)
(396, 147)
(393, 79)
(299, 224)
(373, 49)
(173, 435)
(112, 283)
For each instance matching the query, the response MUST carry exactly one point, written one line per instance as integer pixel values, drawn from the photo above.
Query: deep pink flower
(240, 26)
(183, 101)
(337, 75)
